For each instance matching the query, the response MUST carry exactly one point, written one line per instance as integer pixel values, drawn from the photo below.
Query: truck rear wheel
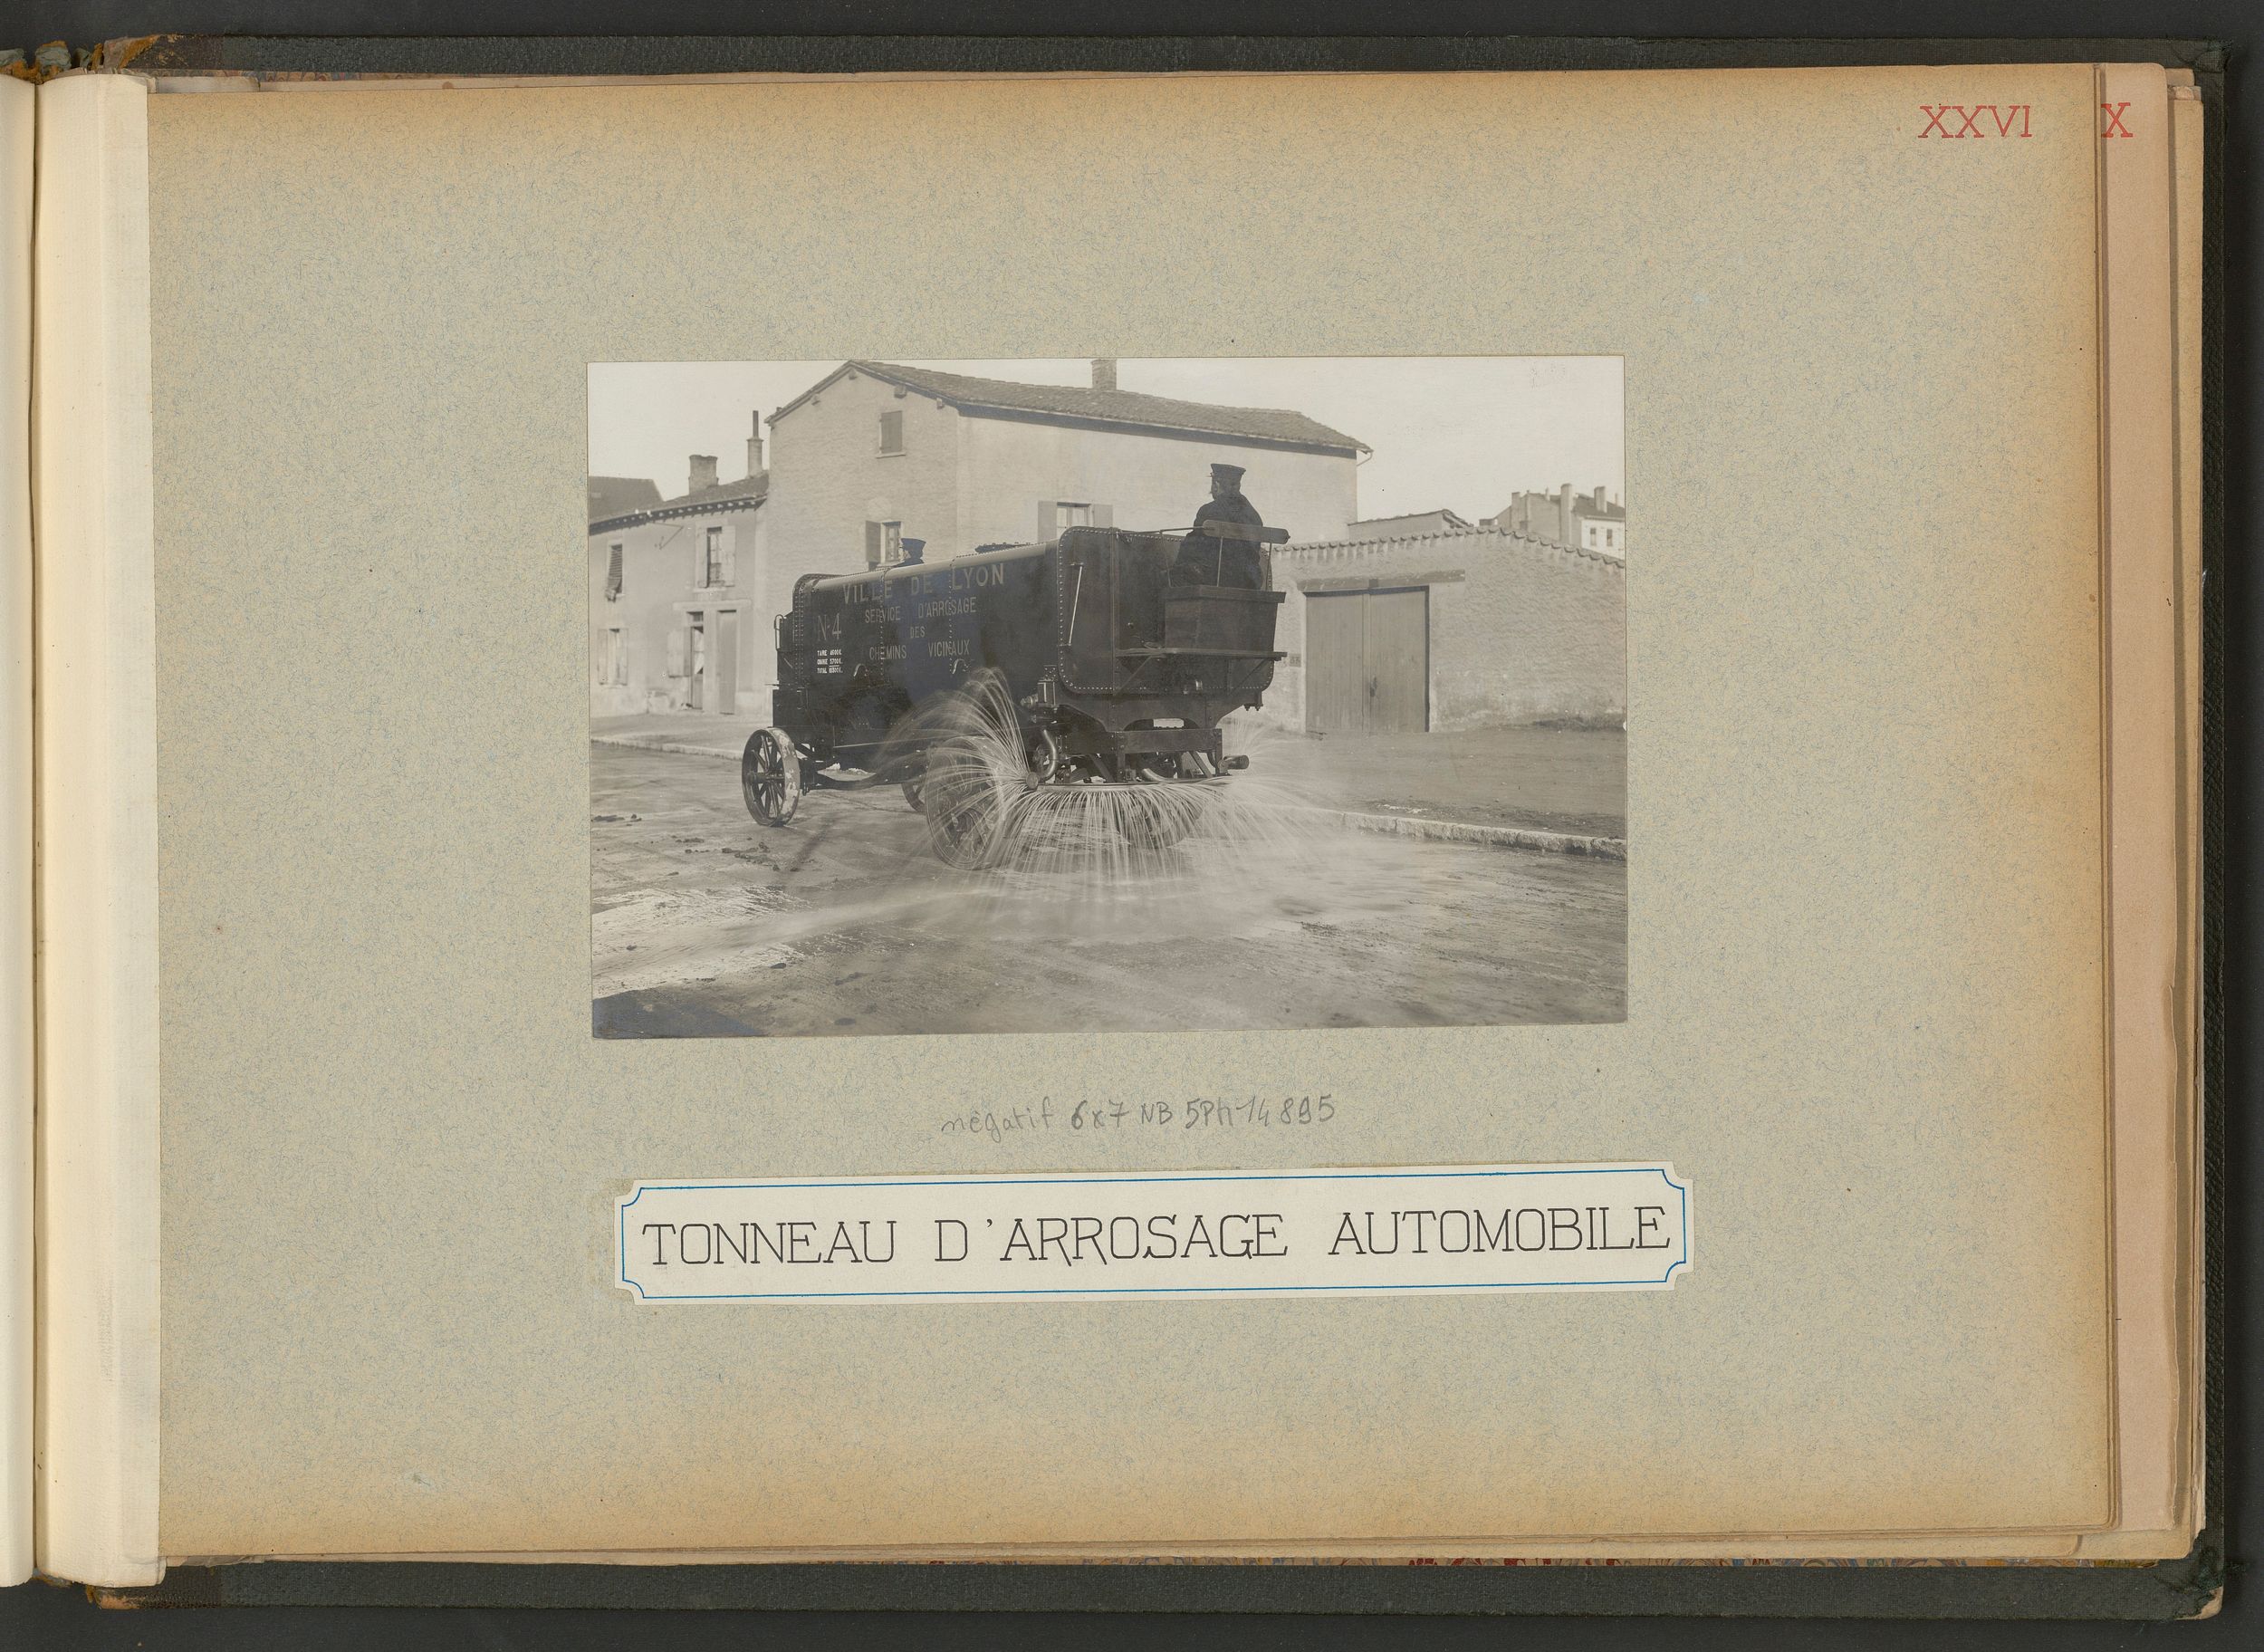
(963, 796)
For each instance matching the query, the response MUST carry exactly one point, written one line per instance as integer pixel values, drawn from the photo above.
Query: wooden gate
(1368, 661)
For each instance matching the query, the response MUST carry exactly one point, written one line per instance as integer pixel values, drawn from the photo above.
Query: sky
(1461, 432)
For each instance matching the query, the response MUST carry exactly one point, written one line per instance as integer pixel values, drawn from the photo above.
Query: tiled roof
(756, 487)
(1594, 512)
(1347, 549)
(1394, 527)
(1072, 401)
(618, 495)
(747, 490)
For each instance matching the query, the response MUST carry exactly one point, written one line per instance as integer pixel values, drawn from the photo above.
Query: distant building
(675, 624)
(1588, 521)
(1453, 628)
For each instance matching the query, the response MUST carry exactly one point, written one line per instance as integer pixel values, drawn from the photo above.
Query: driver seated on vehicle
(1206, 559)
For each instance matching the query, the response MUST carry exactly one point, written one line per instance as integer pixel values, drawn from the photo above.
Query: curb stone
(633, 743)
(1466, 831)
(1391, 825)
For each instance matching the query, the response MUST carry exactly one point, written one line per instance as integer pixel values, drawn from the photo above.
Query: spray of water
(1074, 896)
(1019, 822)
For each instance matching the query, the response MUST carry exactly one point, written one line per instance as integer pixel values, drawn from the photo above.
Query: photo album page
(1289, 815)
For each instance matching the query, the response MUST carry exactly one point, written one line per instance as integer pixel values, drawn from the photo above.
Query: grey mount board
(2161, 1591)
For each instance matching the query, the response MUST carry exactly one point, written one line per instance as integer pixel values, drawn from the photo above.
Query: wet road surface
(705, 923)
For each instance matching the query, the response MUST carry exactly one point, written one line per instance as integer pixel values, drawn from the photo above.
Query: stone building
(1451, 628)
(874, 454)
(684, 590)
(678, 621)
(1589, 520)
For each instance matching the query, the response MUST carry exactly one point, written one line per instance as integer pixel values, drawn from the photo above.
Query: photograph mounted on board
(1053, 696)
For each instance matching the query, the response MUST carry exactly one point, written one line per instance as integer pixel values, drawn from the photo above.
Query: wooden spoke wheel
(770, 776)
(912, 797)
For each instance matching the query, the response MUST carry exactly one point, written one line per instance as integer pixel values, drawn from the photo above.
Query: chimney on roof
(1104, 372)
(703, 472)
(754, 448)
(1599, 499)
(1564, 513)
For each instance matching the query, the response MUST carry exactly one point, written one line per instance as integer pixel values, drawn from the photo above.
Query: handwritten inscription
(1106, 1115)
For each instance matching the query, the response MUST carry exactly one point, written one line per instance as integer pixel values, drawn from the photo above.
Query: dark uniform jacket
(1204, 561)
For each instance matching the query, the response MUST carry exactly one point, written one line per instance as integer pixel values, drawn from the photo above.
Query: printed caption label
(1187, 1233)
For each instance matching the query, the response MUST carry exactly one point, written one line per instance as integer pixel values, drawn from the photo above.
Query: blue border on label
(621, 1210)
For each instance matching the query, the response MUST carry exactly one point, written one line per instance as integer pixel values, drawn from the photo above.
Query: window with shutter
(613, 573)
(1071, 514)
(891, 544)
(892, 432)
(712, 562)
(872, 545)
(730, 564)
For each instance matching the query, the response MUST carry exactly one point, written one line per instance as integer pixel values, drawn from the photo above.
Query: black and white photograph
(1097, 695)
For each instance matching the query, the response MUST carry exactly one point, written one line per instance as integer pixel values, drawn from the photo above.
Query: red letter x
(1933, 118)
(2115, 127)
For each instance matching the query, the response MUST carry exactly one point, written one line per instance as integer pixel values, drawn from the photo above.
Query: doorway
(1368, 661)
(727, 661)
